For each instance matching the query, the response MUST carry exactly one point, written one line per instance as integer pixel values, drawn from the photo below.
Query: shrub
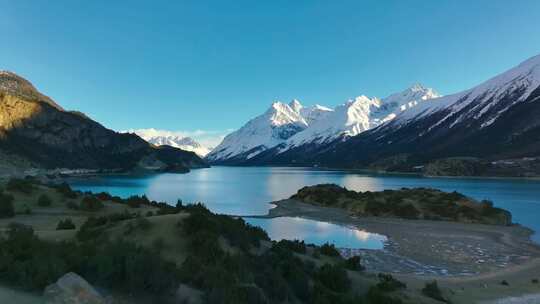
(333, 277)
(30, 263)
(329, 250)
(296, 245)
(91, 228)
(505, 283)
(136, 201)
(66, 224)
(91, 203)
(149, 213)
(103, 196)
(432, 290)
(354, 263)
(44, 200)
(534, 281)
(6, 206)
(408, 211)
(72, 205)
(66, 191)
(388, 283)
(376, 295)
(20, 185)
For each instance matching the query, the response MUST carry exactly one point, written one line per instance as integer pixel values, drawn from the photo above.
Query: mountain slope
(288, 126)
(359, 115)
(167, 138)
(277, 124)
(499, 119)
(36, 129)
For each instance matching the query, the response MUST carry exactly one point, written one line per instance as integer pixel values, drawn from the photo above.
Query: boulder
(72, 289)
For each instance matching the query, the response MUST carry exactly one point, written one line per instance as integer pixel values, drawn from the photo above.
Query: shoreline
(471, 260)
(382, 172)
(444, 248)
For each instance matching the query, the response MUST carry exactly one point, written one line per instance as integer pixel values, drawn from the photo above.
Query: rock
(72, 289)
(188, 295)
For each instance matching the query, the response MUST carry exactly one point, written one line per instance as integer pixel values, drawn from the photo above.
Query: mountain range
(167, 138)
(35, 132)
(290, 126)
(492, 128)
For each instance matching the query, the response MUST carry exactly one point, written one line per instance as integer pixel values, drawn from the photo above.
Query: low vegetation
(6, 205)
(20, 185)
(433, 291)
(222, 257)
(329, 250)
(66, 224)
(91, 203)
(44, 200)
(417, 203)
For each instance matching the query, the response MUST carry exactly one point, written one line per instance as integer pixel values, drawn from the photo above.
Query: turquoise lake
(249, 190)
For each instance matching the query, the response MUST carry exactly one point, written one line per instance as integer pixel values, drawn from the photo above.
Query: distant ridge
(167, 138)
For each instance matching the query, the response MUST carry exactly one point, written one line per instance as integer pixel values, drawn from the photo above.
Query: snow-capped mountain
(498, 119)
(360, 114)
(291, 125)
(162, 138)
(275, 126)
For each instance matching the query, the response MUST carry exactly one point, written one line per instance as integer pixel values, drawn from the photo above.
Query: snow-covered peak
(169, 138)
(347, 119)
(294, 124)
(280, 113)
(276, 125)
(520, 81)
(296, 105)
(360, 114)
(314, 113)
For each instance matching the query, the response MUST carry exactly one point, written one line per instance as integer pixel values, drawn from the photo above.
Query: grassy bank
(212, 258)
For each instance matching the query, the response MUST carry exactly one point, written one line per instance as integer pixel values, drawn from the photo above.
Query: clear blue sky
(211, 65)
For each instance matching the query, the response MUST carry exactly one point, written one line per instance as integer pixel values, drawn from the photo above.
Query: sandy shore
(470, 260)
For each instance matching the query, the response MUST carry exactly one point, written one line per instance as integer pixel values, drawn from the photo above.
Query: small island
(431, 234)
(417, 203)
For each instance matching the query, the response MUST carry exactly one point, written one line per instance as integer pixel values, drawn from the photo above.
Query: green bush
(30, 263)
(44, 200)
(534, 281)
(388, 283)
(329, 250)
(354, 263)
(234, 230)
(72, 205)
(66, 224)
(6, 206)
(378, 296)
(333, 277)
(20, 185)
(296, 245)
(91, 203)
(66, 191)
(433, 291)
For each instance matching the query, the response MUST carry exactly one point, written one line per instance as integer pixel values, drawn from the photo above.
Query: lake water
(248, 191)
